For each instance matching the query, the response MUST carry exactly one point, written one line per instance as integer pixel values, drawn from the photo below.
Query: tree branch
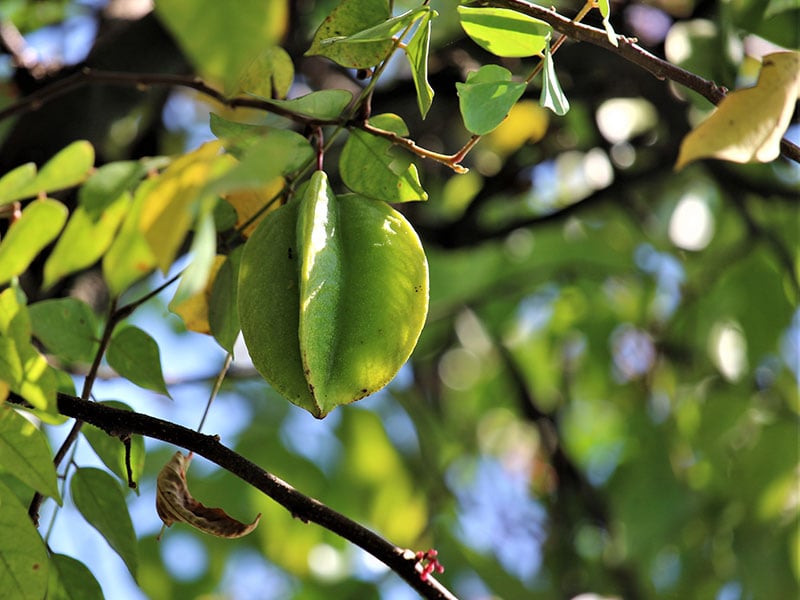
(632, 52)
(87, 76)
(120, 422)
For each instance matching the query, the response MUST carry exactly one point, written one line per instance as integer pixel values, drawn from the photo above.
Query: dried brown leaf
(175, 504)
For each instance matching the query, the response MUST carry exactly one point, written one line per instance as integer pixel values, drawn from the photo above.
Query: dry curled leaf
(748, 124)
(175, 504)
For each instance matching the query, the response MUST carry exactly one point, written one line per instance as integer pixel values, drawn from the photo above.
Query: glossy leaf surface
(40, 223)
(374, 167)
(350, 17)
(504, 32)
(487, 97)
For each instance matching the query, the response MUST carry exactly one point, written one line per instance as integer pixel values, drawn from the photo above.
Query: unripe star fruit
(333, 294)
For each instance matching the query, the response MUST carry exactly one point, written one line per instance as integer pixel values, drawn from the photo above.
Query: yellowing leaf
(166, 213)
(527, 122)
(194, 310)
(175, 504)
(748, 124)
(248, 202)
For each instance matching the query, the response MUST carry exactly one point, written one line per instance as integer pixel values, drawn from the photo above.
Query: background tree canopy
(603, 399)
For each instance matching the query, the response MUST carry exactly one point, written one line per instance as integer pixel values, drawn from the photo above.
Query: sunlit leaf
(270, 74)
(15, 181)
(134, 354)
(504, 32)
(40, 223)
(552, 97)
(194, 309)
(348, 18)
(67, 327)
(104, 188)
(84, 240)
(21, 366)
(605, 10)
(25, 453)
(204, 30)
(251, 205)
(527, 122)
(237, 137)
(111, 450)
(129, 258)
(167, 211)
(376, 168)
(204, 246)
(98, 497)
(69, 167)
(278, 152)
(24, 564)
(748, 124)
(325, 105)
(70, 579)
(175, 504)
(417, 51)
(487, 97)
(380, 32)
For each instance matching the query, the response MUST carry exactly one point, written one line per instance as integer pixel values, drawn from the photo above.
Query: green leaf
(70, 579)
(605, 10)
(376, 168)
(167, 211)
(222, 42)
(271, 73)
(69, 167)
(134, 354)
(111, 450)
(552, 97)
(277, 152)
(223, 311)
(129, 258)
(67, 327)
(237, 137)
(13, 182)
(25, 453)
(203, 251)
(40, 223)
(99, 499)
(417, 51)
(381, 32)
(325, 105)
(350, 17)
(104, 188)
(487, 97)
(21, 366)
(333, 293)
(504, 32)
(24, 565)
(85, 239)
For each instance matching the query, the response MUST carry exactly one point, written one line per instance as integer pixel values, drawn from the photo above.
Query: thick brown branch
(117, 422)
(632, 52)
